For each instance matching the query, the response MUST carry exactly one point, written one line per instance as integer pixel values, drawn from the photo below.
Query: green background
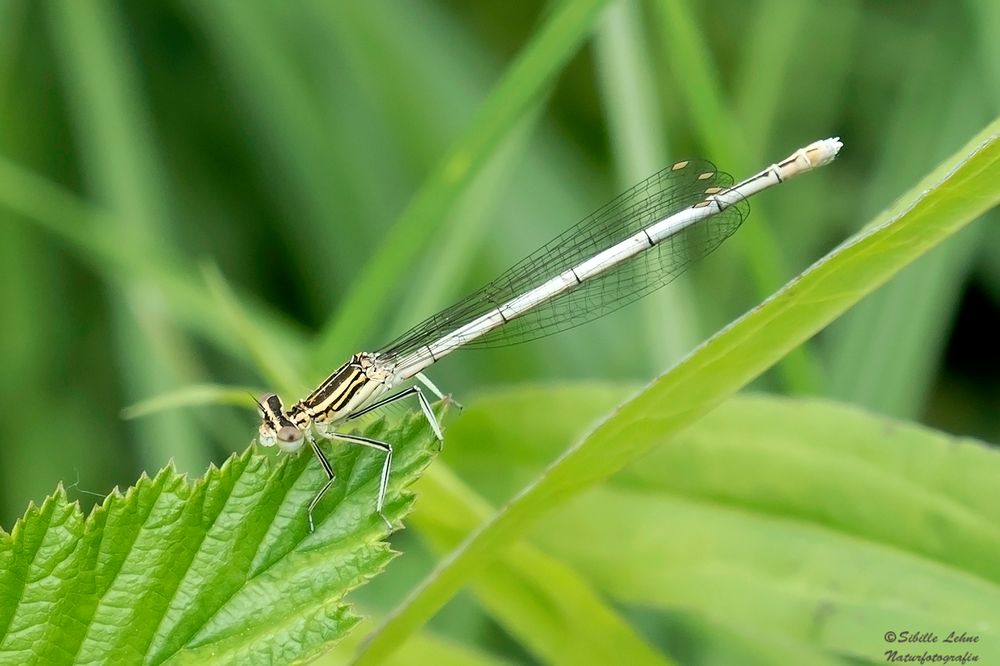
(147, 148)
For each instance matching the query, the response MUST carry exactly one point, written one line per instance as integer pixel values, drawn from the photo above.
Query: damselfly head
(276, 427)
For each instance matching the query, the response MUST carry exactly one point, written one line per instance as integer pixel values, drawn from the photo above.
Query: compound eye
(290, 439)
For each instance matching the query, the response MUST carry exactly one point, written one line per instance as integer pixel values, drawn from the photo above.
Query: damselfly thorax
(342, 394)
(640, 241)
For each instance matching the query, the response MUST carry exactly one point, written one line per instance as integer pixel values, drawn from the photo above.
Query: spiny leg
(384, 479)
(426, 381)
(425, 407)
(330, 477)
(432, 387)
(76, 486)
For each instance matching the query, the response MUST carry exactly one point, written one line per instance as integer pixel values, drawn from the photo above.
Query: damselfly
(638, 242)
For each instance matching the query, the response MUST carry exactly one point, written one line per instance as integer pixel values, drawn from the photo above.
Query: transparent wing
(659, 196)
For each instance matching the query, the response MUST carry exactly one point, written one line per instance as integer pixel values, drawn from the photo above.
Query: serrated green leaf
(220, 570)
(953, 195)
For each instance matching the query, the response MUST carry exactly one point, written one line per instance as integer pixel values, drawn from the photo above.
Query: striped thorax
(346, 390)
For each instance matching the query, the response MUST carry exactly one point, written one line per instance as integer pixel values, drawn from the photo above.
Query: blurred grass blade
(628, 93)
(472, 216)
(425, 648)
(121, 165)
(763, 77)
(127, 255)
(629, 96)
(957, 192)
(688, 55)
(884, 354)
(267, 356)
(12, 32)
(197, 395)
(202, 572)
(542, 602)
(277, 91)
(522, 84)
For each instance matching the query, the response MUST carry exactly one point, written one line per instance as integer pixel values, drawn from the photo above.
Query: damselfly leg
(425, 407)
(426, 381)
(432, 387)
(376, 444)
(383, 483)
(330, 477)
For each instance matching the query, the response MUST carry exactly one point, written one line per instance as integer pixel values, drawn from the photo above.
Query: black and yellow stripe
(335, 392)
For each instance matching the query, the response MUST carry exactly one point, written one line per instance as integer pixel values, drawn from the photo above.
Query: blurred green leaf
(847, 521)
(221, 570)
(541, 601)
(521, 86)
(425, 648)
(830, 485)
(953, 195)
(555, 413)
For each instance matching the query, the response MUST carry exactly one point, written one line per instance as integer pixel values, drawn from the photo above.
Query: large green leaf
(542, 602)
(957, 192)
(811, 520)
(221, 570)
